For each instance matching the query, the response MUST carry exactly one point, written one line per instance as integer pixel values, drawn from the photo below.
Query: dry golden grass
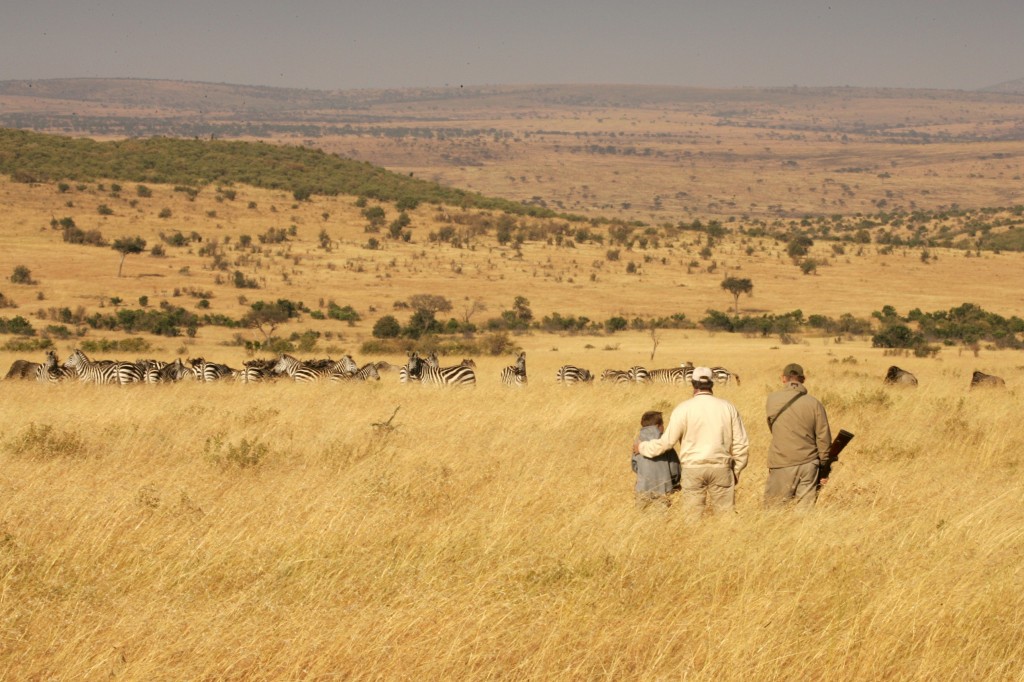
(272, 532)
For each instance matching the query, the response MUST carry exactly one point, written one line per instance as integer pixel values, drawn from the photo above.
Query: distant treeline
(37, 157)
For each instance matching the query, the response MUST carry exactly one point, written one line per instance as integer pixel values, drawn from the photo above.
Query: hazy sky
(340, 44)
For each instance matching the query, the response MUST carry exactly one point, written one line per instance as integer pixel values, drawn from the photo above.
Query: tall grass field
(385, 531)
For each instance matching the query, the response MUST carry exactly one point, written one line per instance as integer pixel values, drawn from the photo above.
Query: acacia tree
(425, 307)
(266, 317)
(737, 286)
(127, 245)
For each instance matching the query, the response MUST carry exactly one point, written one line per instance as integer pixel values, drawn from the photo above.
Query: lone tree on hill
(737, 286)
(127, 245)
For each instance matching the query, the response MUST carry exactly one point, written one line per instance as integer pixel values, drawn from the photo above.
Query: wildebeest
(982, 379)
(902, 377)
(23, 369)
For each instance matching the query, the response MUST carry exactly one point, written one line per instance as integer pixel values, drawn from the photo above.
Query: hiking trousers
(786, 484)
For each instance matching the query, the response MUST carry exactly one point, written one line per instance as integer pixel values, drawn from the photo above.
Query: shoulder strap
(772, 420)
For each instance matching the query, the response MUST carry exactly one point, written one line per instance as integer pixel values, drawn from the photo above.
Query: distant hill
(211, 98)
(38, 157)
(1015, 87)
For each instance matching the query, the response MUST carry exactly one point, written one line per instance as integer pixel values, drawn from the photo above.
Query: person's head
(792, 373)
(702, 379)
(652, 418)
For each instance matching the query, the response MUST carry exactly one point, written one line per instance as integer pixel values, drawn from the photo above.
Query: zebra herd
(570, 374)
(424, 370)
(78, 367)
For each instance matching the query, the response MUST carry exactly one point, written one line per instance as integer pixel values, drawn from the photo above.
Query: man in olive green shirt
(800, 442)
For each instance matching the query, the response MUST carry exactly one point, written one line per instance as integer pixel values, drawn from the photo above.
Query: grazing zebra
(209, 371)
(898, 376)
(466, 362)
(571, 374)
(50, 372)
(23, 369)
(419, 370)
(301, 371)
(367, 371)
(639, 374)
(102, 372)
(515, 375)
(989, 380)
(615, 376)
(672, 375)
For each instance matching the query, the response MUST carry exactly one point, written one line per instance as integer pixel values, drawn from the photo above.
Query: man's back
(801, 433)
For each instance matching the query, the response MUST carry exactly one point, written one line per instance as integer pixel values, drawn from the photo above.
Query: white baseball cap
(702, 374)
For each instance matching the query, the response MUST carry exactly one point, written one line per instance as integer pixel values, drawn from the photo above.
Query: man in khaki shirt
(800, 443)
(712, 446)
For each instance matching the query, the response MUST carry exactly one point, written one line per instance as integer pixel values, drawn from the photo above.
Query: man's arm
(822, 433)
(740, 443)
(672, 435)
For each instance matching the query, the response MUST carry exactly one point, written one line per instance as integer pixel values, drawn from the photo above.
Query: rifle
(841, 440)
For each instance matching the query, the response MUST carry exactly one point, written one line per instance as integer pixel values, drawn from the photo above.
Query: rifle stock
(841, 440)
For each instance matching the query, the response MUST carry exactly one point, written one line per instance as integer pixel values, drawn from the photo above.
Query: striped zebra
(364, 373)
(515, 375)
(301, 371)
(103, 371)
(209, 371)
(639, 375)
(50, 372)
(672, 375)
(420, 371)
(720, 374)
(255, 371)
(570, 374)
(432, 361)
(173, 372)
(616, 376)
(150, 370)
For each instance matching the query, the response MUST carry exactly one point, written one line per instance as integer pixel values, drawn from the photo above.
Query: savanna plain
(387, 531)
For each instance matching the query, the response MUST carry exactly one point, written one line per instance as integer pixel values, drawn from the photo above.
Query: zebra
(50, 372)
(367, 371)
(616, 376)
(419, 370)
(432, 361)
(150, 370)
(980, 379)
(570, 374)
(721, 374)
(209, 371)
(515, 375)
(345, 366)
(255, 371)
(103, 371)
(301, 371)
(672, 375)
(902, 377)
(639, 374)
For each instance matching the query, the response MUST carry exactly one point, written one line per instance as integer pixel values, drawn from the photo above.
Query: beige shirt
(706, 432)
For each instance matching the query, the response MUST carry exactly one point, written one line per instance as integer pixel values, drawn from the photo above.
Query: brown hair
(652, 418)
